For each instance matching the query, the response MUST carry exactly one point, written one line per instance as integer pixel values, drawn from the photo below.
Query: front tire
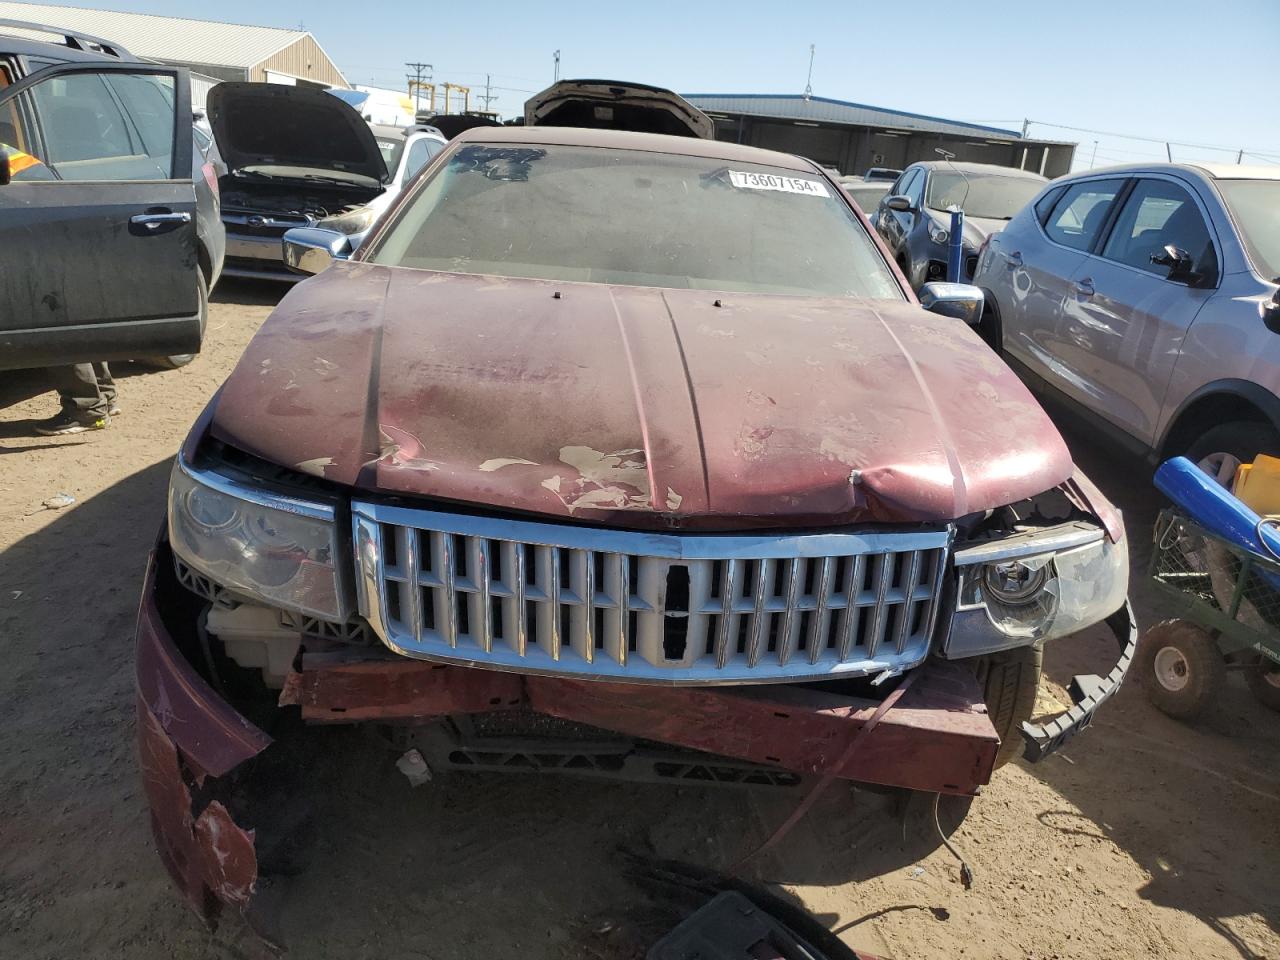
(1181, 668)
(1009, 682)
(182, 359)
(1220, 450)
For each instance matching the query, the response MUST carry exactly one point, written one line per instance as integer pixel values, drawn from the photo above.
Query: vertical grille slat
(411, 597)
(729, 590)
(883, 571)
(852, 613)
(789, 629)
(907, 608)
(594, 603)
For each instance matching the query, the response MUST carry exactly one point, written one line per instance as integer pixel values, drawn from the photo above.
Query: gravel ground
(1145, 837)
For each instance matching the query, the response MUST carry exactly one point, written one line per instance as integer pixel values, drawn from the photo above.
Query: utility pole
(808, 82)
(1025, 124)
(557, 59)
(1095, 154)
(1239, 158)
(1168, 152)
(415, 82)
(487, 97)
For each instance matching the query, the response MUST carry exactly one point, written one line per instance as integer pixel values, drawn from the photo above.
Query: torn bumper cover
(1088, 692)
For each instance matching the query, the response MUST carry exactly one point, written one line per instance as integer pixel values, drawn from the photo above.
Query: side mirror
(1271, 313)
(900, 202)
(5, 175)
(959, 300)
(1178, 261)
(310, 250)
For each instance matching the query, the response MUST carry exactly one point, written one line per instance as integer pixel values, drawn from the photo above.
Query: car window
(1159, 213)
(1079, 215)
(423, 149)
(1255, 204)
(602, 215)
(390, 148)
(980, 195)
(915, 189)
(1045, 205)
(148, 103)
(86, 134)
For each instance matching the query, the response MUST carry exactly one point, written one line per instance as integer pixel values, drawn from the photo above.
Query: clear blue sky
(1187, 70)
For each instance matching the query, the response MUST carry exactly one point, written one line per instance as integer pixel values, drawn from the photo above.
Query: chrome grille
(545, 598)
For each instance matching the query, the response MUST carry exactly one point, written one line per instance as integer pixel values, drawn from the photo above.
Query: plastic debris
(414, 767)
(58, 501)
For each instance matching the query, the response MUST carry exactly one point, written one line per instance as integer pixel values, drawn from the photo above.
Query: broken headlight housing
(1037, 583)
(266, 546)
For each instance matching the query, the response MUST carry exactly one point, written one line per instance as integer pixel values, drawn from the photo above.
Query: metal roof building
(225, 51)
(854, 136)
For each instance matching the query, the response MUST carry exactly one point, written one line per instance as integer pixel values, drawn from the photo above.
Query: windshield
(390, 148)
(1255, 204)
(630, 217)
(989, 197)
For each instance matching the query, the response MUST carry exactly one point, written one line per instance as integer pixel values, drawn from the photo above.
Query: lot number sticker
(770, 181)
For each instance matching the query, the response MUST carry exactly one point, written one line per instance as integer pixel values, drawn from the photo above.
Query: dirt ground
(1144, 838)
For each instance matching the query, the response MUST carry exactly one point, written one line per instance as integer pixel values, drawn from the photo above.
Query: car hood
(617, 105)
(636, 406)
(271, 124)
(976, 229)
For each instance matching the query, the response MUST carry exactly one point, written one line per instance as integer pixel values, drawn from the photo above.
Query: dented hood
(636, 406)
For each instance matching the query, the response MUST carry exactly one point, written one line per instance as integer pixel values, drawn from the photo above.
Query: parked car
(617, 105)
(866, 193)
(882, 173)
(125, 195)
(405, 151)
(1145, 297)
(915, 221)
(610, 431)
(295, 156)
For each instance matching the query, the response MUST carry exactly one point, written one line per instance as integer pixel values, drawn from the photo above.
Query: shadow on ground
(1186, 801)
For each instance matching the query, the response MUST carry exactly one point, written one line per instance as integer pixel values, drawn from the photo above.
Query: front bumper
(259, 257)
(197, 750)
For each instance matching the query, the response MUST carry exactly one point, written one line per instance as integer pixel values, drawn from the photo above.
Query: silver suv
(1147, 297)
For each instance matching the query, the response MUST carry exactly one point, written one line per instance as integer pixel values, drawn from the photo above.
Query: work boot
(65, 423)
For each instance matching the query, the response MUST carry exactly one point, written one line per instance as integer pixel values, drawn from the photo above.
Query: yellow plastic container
(1258, 485)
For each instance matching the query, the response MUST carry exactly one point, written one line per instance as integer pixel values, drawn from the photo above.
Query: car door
(894, 224)
(1041, 260)
(97, 217)
(1125, 320)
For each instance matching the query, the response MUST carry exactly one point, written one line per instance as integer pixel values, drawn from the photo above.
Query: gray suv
(1146, 297)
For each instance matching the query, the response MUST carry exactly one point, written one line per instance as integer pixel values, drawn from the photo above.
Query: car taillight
(211, 178)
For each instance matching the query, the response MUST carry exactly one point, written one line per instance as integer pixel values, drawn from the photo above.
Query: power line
(415, 83)
(1130, 136)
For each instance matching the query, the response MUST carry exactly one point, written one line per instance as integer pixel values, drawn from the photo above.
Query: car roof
(1214, 171)
(966, 166)
(403, 133)
(23, 38)
(630, 140)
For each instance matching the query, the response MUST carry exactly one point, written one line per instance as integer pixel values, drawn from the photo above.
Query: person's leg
(107, 387)
(83, 405)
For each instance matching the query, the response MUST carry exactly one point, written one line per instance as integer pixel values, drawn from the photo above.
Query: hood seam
(693, 401)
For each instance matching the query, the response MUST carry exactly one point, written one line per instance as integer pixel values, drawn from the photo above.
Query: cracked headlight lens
(1036, 585)
(267, 546)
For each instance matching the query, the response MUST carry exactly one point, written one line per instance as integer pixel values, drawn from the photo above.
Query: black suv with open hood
(295, 156)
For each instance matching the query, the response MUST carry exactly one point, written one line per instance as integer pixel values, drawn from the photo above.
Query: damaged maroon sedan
(618, 454)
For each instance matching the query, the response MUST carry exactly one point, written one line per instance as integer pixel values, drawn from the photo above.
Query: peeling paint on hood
(637, 406)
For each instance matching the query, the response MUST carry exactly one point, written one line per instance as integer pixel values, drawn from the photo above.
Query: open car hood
(270, 124)
(616, 105)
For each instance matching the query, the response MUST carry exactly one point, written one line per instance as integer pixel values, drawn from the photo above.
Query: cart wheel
(1181, 668)
(1264, 680)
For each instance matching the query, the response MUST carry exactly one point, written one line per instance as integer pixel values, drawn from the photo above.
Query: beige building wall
(302, 59)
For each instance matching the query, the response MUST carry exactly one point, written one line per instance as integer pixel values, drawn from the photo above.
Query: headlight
(267, 546)
(353, 221)
(938, 234)
(1035, 585)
